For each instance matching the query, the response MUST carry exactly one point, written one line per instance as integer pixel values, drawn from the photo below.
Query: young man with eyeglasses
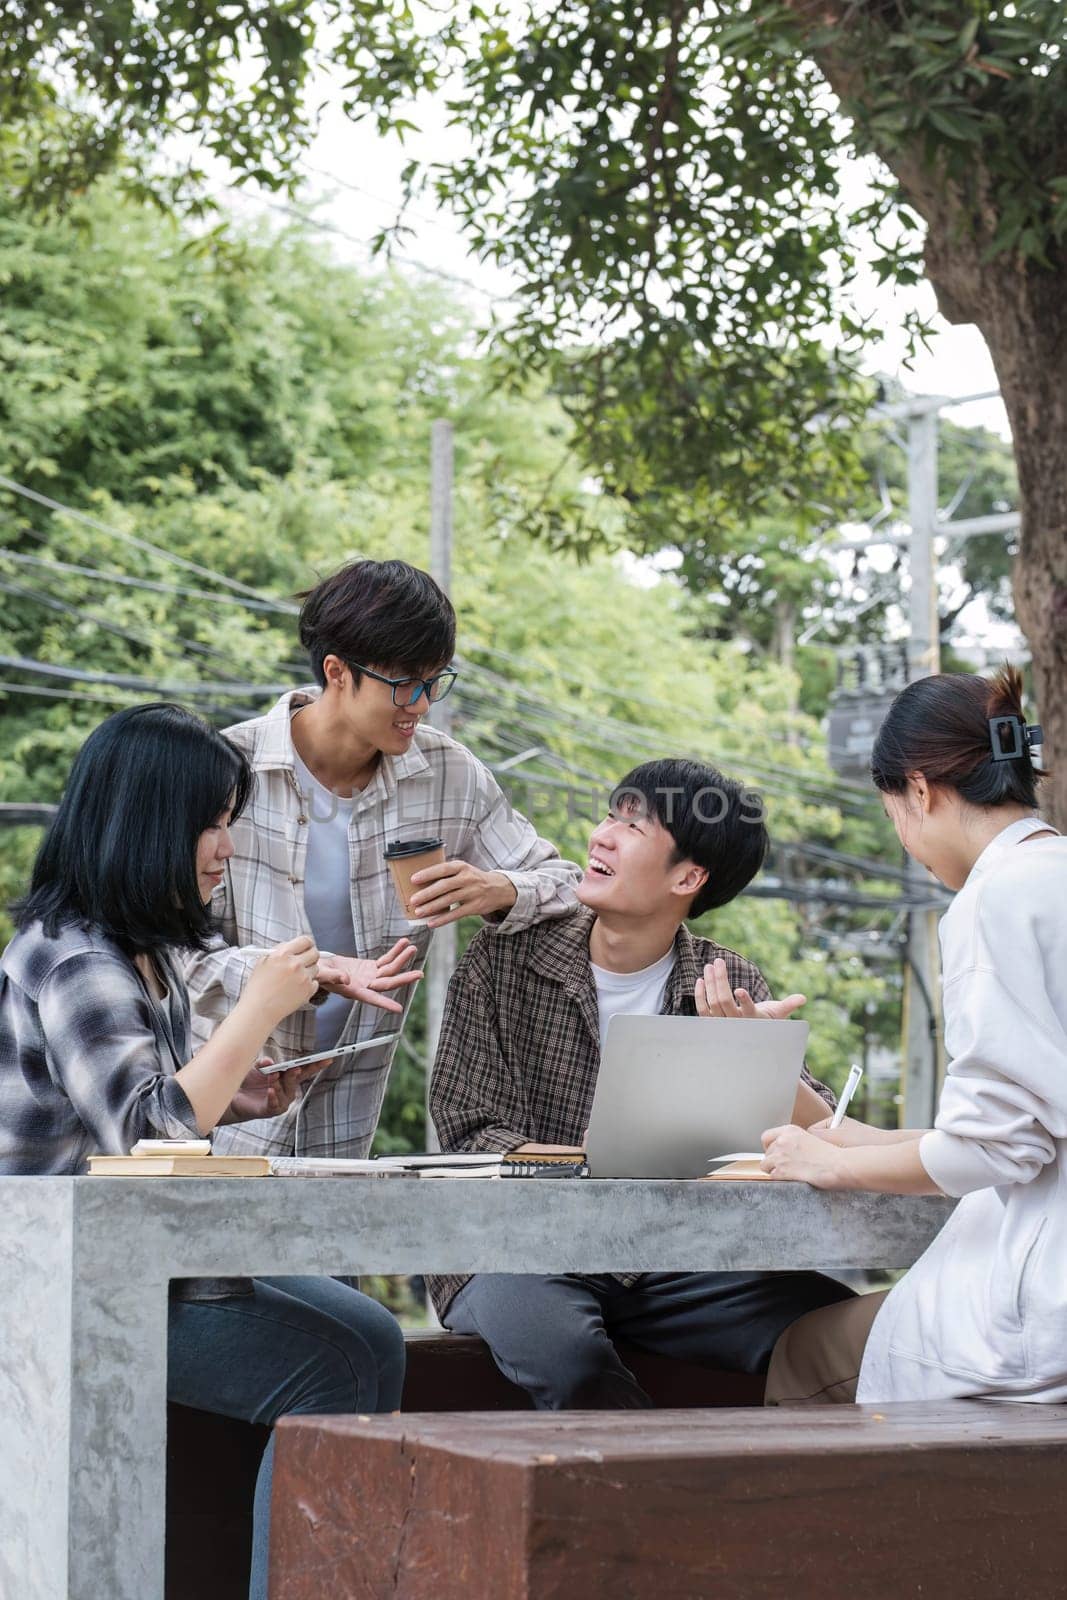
(341, 773)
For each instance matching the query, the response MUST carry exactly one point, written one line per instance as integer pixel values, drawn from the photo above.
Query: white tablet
(329, 1055)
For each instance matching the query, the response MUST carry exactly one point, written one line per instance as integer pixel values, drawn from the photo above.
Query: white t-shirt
(328, 891)
(633, 994)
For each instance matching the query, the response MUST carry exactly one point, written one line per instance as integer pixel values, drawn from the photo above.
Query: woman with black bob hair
(94, 1055)
(984, 1311)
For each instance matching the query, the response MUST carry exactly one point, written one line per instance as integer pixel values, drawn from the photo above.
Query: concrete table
(86, 1264)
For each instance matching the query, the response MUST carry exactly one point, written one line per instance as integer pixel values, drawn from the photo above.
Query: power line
(828, 894)
(864, 864)
(123, 579)
(225, 691)
(767, 888)
(615, 734)
(147, 642)
(369, 194)
(631, 748)
(498, 682)
(800, 740)
(55, 603)
(774, 888)
(222, 691)
(572, 777)
(25, 813)
(209, 708)
(57, 506)
(824, 893)
(286, 208)
(62, 694)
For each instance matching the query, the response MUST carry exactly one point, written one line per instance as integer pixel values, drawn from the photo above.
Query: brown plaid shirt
(519, 1051)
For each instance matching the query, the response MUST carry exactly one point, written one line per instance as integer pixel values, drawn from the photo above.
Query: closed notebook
(178, 1166)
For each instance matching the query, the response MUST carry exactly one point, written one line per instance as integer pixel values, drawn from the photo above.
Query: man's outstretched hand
(369, 981)
(715, 998)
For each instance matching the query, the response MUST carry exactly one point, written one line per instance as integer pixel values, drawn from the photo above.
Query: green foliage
(232, 76)
(286, 431)
(663, 181)
(981, 91)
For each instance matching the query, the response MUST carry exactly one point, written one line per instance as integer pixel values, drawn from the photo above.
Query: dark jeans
(554, 1335)
(294, 1345)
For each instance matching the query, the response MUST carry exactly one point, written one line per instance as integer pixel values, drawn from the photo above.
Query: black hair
(940, 726)
(120, 852)
(705, 814)
(381, 614)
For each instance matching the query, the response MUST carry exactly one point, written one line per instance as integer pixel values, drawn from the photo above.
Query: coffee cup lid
(411, 847)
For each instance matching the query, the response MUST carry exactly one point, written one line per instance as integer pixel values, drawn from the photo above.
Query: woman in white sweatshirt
(984, 1310)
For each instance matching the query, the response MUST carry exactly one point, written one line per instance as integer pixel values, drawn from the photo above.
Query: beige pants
(817, 1360)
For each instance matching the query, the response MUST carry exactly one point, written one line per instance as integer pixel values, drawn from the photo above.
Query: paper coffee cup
(406, 857)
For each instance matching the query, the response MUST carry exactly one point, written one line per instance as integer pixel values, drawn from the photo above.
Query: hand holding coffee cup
(436, 892)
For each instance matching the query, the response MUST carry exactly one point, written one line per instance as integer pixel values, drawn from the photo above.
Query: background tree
(680, 166)
(665, 179)
(264, 412)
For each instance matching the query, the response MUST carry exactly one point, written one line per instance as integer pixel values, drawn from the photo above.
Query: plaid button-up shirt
(87, 1057)
(519, 1051)
(88, 1061)
(436, 788)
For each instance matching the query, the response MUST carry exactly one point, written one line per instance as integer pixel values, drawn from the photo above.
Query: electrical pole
(442, 960)
(923, 1057)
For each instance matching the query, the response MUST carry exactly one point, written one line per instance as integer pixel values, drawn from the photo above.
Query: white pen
(854, 1076)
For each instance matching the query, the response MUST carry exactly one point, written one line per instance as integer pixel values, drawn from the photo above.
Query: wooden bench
(212, 1461)
(455, 1372)
(959, 1501)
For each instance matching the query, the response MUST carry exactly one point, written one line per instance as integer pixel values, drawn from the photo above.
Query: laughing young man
(517, 1065)
(340, 772)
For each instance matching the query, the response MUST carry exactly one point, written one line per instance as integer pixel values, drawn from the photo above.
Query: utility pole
(923, 1044)
(442, 961)
(923, 1053)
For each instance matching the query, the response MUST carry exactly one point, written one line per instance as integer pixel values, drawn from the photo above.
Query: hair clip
(1014, 728)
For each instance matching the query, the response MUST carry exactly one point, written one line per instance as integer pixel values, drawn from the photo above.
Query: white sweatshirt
(984, 1310)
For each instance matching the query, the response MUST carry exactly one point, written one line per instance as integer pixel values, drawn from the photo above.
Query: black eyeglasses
(409, 691)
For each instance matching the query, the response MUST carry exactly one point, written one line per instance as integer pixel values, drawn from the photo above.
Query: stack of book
(177, 1158)
(192, 1158)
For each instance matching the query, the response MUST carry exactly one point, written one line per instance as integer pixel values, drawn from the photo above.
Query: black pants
(554, 1335)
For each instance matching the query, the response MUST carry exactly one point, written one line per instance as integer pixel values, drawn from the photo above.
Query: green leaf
(954, 125)
(968, 34)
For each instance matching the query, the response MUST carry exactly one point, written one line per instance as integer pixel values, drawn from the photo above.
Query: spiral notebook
(439, 1164)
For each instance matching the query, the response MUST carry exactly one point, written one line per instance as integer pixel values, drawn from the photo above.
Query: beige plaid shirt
(438, 787)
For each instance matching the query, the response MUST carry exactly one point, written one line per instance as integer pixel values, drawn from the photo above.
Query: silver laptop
(675, 1091)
